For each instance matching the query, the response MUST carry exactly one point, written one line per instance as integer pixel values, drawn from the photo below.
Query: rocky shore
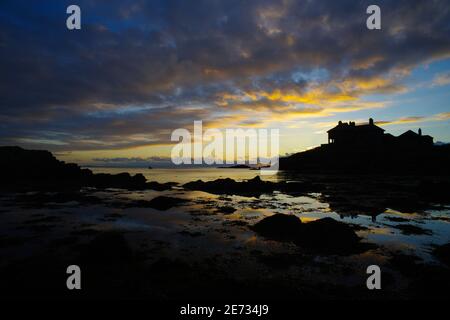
(40, 170)
(308, 236)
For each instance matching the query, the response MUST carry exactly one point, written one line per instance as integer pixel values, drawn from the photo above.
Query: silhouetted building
(353, 135)
(410, 139)
(366, 148)
(370, 136)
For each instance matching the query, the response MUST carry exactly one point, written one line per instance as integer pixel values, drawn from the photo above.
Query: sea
(185, 175)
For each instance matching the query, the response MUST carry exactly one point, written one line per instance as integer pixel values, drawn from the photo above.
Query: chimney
(371, 121)
(420, 132)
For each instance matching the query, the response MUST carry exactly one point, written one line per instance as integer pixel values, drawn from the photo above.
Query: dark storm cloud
(143, 68)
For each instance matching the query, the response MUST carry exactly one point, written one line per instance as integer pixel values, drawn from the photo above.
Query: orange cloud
(437, 117)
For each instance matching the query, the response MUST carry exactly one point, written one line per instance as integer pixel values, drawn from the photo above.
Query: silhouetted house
(410, 139)
(389, 139)
(365, 148)
(370, 136)
(353, 135)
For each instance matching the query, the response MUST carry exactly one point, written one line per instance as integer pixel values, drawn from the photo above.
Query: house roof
(346, 127)
(413, 135)
(408, 134)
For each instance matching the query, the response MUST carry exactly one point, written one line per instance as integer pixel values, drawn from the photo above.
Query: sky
(114, 91)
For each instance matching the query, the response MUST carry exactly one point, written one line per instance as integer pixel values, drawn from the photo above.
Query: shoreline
(137, 238)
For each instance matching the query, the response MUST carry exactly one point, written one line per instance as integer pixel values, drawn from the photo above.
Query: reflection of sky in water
(187, 175)
(199, 227)
(382, 231)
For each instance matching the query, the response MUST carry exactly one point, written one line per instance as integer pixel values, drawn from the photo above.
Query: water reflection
(389, 214)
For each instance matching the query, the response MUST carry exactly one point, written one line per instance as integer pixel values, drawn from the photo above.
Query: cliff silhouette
(366, 148)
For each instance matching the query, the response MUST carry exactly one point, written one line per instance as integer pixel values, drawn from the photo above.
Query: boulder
(163, 203)
(153, 185)
(121, 180)
(226, 210)
(279, 227)
(324, 235)
(328, 235)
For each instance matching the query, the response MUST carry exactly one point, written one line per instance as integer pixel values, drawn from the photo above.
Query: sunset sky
(116, 89)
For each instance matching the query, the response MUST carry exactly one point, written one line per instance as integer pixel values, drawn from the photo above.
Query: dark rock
(443, 253)
(324, 235)
(31, 169)
(357, 227)
(121, 180)
(153, 185)
(238, 166)
(328, 235)
(446, 219)
(279, 227)
(226, 210)
(253, 187)
(396, 219)
(164, 203)
(239, 223)
(190, 233)
(40, 170)
(435, 190)
(408, 229)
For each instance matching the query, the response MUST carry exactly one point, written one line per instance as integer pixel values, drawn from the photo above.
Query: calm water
(186, 175)
(198, 229)
(379, 230)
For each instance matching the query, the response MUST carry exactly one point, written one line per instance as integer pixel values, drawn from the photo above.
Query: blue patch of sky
(314, 75)
(422, 99)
